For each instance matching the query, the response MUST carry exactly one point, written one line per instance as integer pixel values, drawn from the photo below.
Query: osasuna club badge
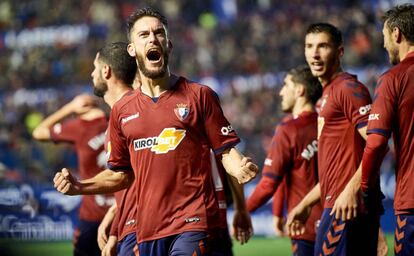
(182, 111)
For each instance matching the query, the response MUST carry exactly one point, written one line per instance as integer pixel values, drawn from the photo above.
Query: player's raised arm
(79, 105)
(107, 181)
(240, 167)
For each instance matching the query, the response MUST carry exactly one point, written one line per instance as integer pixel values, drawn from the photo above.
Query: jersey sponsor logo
(310, 150)
(129, 222)
(192, 219)
(96, 142)
(226, 130)
(168, 140)
(104, 201)
(182, 111)
(102, 159)
(365, 109)
(129, 118)
(373, 117)
(268, 162)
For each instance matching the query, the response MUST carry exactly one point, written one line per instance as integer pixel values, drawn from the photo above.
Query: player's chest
(330, 107)
(146, 120)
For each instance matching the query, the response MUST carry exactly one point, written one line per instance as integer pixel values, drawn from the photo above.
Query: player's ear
(170, 45)
(300, 90)
(131, 50)
(341, 51)
(397, 35)
(106, 71)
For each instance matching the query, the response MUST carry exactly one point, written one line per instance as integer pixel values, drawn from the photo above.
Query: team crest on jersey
(168, 140)
(182, 111)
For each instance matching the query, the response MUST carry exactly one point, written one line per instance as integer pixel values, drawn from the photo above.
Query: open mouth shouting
(154, 55)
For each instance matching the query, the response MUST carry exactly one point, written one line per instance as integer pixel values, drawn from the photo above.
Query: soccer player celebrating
(292, 154)
(113, 75)
(161, 135)
(392, 113)
(86, 132)
(347, 226)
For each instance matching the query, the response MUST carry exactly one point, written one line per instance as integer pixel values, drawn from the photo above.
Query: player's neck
(404, 50)
(302, 105)
(115, 93)
(328, 78)
(155, 87)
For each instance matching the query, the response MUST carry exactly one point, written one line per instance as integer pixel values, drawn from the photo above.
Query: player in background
(392, 113)
(242, 225)
(350, 229)
(162, 136)
(292, 154)
(86, 132)
(113, 76)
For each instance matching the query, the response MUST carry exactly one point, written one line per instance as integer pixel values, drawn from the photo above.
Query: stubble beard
(394, 56)
(153, 74)
(100, 88)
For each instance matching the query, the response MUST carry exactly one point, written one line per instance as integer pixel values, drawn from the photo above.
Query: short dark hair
(147, 11)
(402, 17)
(303, 75)
(122, 64)
(331, 30)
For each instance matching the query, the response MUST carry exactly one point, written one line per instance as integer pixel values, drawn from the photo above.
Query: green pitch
(257, 246)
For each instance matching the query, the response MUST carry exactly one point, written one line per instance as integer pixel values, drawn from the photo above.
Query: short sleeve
(220, 133)
(66, 131)
(118, 153)
(355, 102)
(279, 157)
(384, 108)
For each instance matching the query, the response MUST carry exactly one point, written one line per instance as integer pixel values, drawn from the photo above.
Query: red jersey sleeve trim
(273, 176)
(119, 168)
(361, 124)
(379, 131)
(226, 146)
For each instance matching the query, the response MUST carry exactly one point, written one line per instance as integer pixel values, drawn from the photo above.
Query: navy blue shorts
(184, 244)
(128, 245)
(404, 235)
(356, 237)
(85, 239)
(302, 247)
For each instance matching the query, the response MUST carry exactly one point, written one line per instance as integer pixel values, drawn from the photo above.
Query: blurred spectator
(47, 48)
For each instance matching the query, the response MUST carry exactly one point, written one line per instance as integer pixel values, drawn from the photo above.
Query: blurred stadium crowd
(241, 48)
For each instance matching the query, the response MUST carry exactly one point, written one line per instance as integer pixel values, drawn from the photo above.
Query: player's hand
(346, 205)
(297, 217)
(278, 225)
(382, 247)
(247, 171)
(82, 103)
(110, 247)
(65, 183)
(103, 232)
(242, 226)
